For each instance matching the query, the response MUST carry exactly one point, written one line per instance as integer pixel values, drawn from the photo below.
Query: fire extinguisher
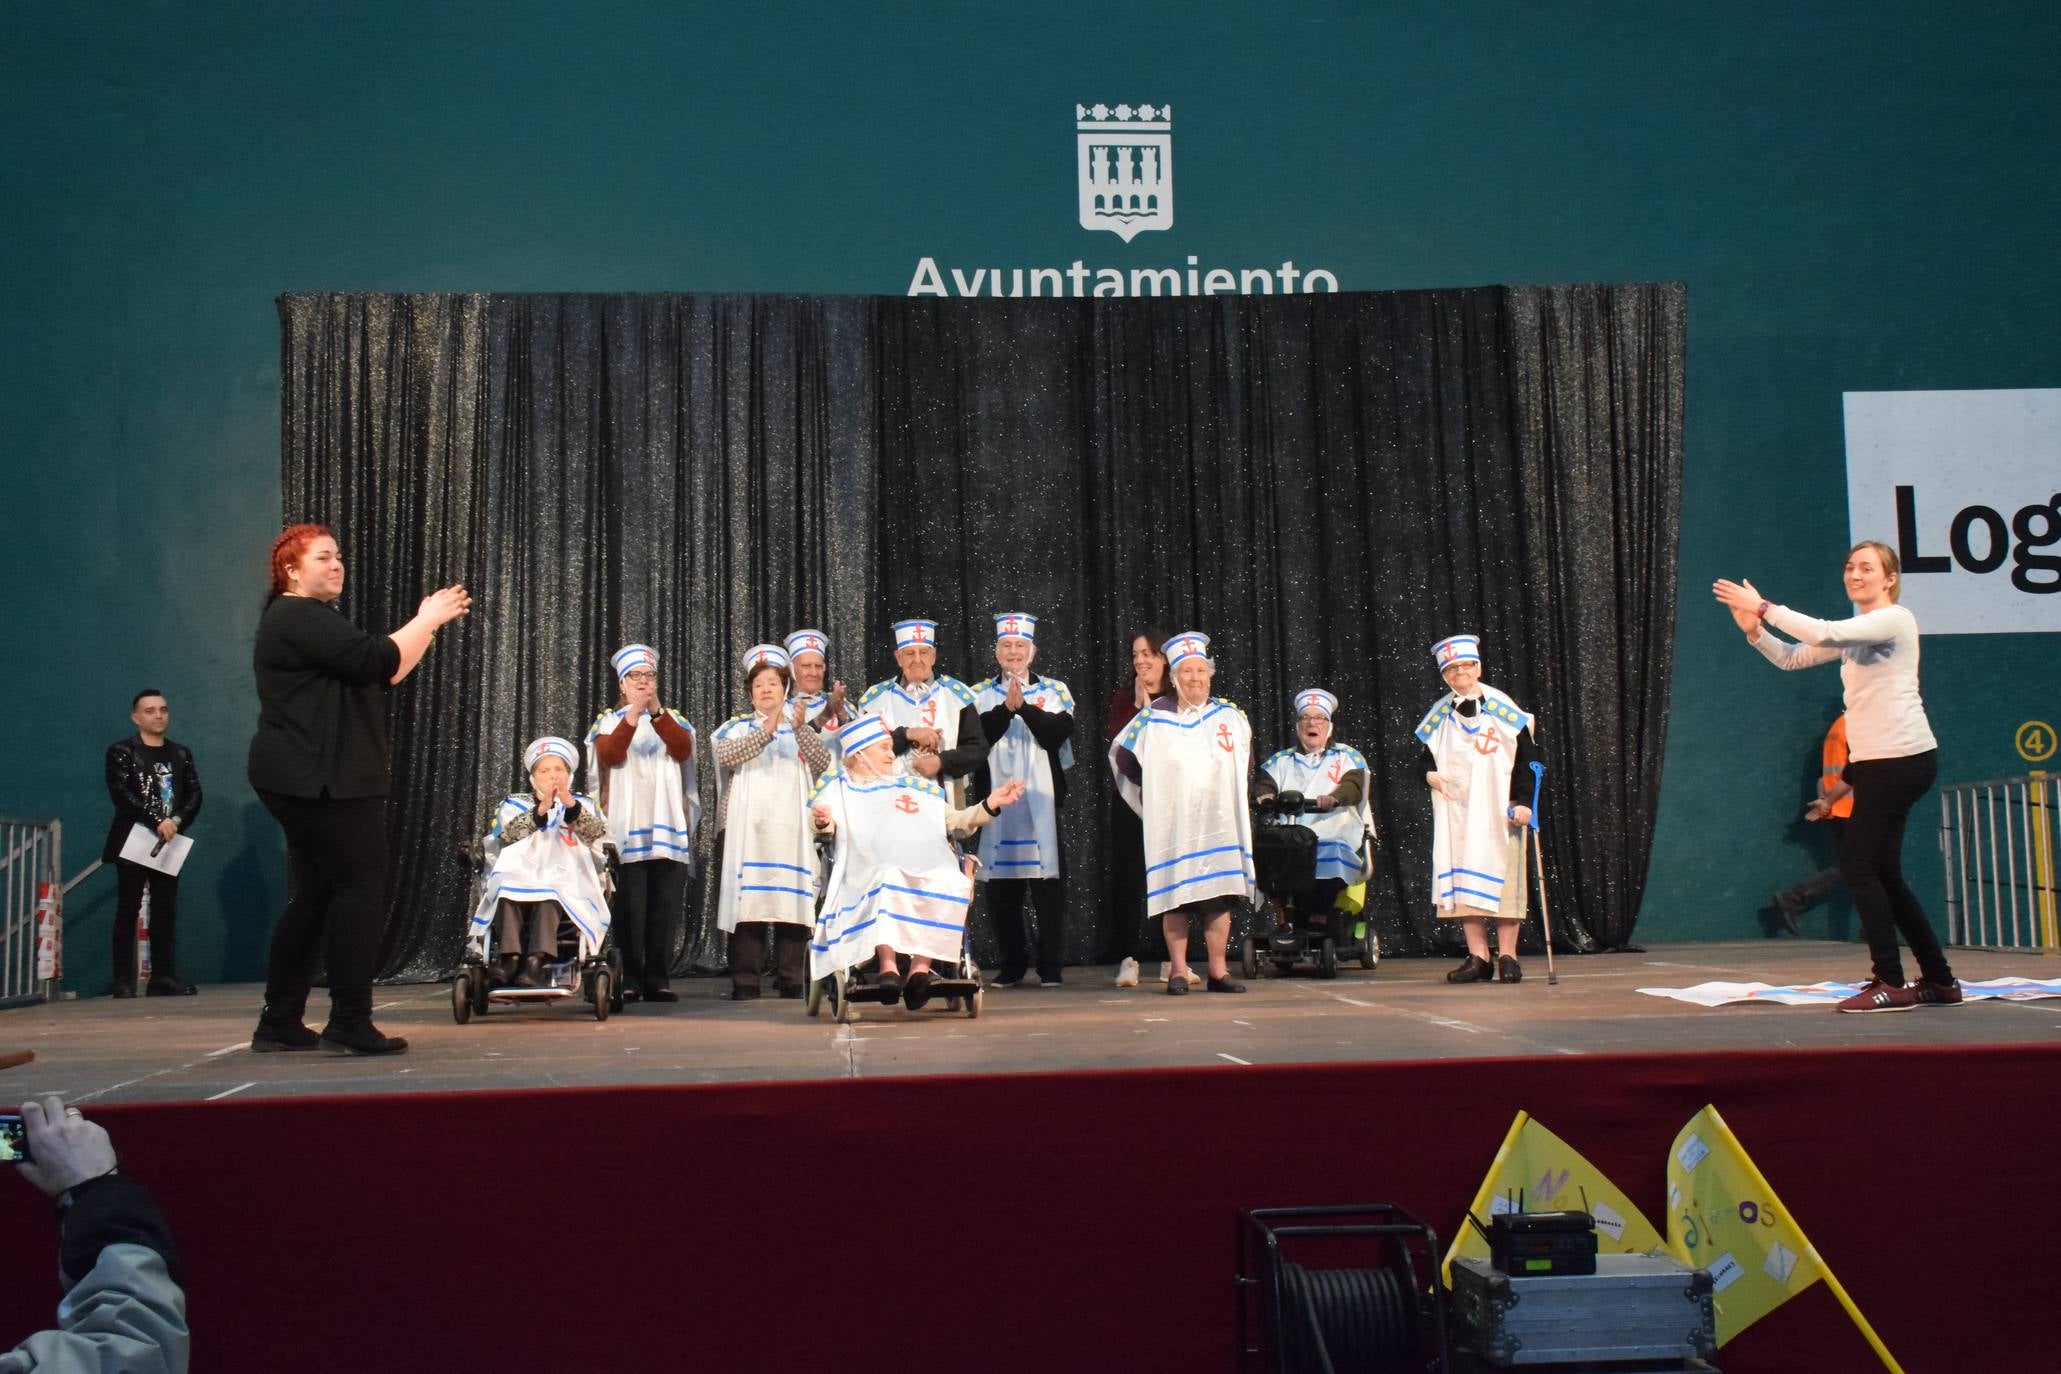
(49, 932)
(143, 939)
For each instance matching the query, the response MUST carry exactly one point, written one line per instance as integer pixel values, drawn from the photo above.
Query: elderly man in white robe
(1476, 739)
(897, 887)
(931, 714)
(1185, 770)
(808, 665)
(1028, 722)
(1334, 777)
(767, 763)
(542, 847)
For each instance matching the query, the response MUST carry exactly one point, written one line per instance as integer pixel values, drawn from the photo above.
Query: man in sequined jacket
(152, 782)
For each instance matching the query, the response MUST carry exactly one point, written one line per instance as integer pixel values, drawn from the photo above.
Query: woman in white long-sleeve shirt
(1892, 760)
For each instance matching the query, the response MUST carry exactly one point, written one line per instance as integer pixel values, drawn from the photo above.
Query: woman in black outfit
(319, 764)
(1128, 933)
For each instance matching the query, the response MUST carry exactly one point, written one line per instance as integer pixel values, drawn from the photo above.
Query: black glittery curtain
(1325, 484)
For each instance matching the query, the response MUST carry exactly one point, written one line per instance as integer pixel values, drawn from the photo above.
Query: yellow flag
(1545, 1173)
(1723, 1216)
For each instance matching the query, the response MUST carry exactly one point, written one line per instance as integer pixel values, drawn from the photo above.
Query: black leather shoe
(123, 990)
(1471, 970)
(168, 987)
(745, 994)
(363, 1038)
(916, 991)
(1224, 984)
(531, 975)
(1508, 970)
(661, 995)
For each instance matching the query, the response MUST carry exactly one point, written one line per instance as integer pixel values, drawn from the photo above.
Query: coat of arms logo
(1126, 159)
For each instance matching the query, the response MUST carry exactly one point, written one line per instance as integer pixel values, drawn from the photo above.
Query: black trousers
(748, 953)
(1822, 884)
(1005, 908)
(645, 917)
(336, 903)
(1127, 932)
(1317, 909)
(1871, 859)
(131, 881)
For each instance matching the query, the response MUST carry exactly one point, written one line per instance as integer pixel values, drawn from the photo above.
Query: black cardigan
(321, 705)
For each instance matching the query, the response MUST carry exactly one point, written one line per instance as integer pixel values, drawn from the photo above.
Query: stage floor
(197, 1048)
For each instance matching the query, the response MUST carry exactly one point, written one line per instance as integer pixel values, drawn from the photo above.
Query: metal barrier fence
(2001, 840)
(31, 908)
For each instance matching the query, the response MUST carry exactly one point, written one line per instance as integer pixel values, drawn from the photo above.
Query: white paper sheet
(169, 860)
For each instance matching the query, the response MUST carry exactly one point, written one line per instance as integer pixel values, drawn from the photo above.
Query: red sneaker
(1931, 994)
(1880, 996)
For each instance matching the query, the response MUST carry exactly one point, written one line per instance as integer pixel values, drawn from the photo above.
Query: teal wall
(1859, 197)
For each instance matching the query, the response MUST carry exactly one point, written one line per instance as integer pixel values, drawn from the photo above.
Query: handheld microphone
(159, 847)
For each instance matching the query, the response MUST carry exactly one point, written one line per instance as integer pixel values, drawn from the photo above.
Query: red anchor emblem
(906, 804)
(1486, 743)
(1336, 771)
(1224, 739)
(930, 713)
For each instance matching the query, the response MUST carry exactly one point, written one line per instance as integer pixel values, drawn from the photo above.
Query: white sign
(1126, 168)
(1966, 487)
(1124, 183)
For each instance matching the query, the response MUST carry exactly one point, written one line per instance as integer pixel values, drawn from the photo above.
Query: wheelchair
(956, 987)
(1285, 861)
(580, 970)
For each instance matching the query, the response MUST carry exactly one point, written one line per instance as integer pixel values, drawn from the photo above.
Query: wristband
(1765, 607)
(989, 809)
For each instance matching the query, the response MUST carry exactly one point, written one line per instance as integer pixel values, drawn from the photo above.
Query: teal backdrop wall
(1859, 196)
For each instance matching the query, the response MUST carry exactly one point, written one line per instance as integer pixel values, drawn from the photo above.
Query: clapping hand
(443, 606)
(922, 737)
(1738, 596)
(1014, 699)
(1006, 794)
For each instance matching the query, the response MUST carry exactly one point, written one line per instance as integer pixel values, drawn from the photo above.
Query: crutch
(1538, 851)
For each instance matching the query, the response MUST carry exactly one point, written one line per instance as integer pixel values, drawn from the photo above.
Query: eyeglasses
(640, 675)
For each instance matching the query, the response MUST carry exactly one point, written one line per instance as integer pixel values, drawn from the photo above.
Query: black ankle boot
(532, 975)
(281, 1031)
(350, 1029)
(504, 972)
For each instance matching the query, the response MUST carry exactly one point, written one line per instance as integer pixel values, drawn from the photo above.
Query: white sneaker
(1127, 973)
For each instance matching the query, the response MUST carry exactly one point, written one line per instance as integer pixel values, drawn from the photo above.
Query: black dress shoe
(1008, 978)
(1471, 970)
(917, 990)
(890, 985)
(168, 987)
(1224, 984)
(661, 995)
(1508, 970)
(123, 990)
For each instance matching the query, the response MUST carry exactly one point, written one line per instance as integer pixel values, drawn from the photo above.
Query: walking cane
(1538, 850)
